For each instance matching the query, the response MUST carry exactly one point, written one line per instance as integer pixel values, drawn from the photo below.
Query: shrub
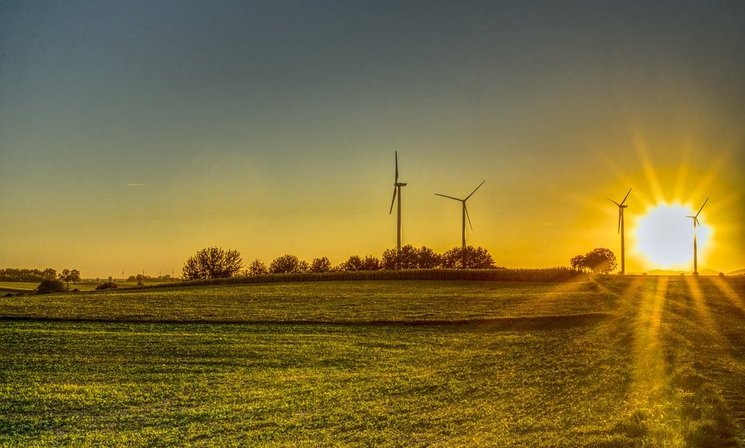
(50, 285)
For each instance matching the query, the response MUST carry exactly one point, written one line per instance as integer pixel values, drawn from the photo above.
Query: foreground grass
(631, 362)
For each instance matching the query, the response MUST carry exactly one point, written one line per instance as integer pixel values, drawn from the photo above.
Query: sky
(133, 134)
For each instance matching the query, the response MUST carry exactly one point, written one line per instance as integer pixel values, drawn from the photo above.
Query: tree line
(38, 275)
(215, 262)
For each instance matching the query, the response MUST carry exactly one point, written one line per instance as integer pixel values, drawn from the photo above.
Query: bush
(213, 262)
(50, 285)
(107, 285)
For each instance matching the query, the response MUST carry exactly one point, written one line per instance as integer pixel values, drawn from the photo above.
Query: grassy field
(607, 362)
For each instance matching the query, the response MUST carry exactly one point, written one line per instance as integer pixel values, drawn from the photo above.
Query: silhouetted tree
(599, 261)
(389, 260)
(257, 267)
(320, 265)
(212, 262)
(468, 257)
(287, 264)
(428, 259)
(578, 262)
(370, 263)
(68, 276)
(353, 263)
(408, 258)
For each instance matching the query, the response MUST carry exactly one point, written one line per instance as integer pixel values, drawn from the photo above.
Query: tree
(577, 262)
(599, 261)
(353, 263)
(428, 259)
(320, 265)
(287, 264)
(468, 257)
(390, 259)
(212, 262)
(370, 263)
(67, 275)
(257, 267)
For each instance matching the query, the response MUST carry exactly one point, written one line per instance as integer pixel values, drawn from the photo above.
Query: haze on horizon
(133, 134)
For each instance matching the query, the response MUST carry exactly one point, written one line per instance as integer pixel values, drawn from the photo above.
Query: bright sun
(664, 236)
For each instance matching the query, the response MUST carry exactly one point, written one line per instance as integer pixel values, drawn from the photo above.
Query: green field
(606, 362)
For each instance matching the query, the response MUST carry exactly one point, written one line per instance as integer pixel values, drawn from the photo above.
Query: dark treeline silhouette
(38, 275)
(214, 262)
(27, 275)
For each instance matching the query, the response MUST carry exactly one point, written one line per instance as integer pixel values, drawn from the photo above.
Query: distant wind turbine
(695, 249)
(397, 193)
(464, 212)
(621, 207)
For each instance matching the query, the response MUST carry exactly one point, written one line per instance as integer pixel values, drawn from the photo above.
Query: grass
(605, 362)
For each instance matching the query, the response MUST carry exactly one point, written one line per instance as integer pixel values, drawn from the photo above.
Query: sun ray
(702, 310)
(649, 369)
(648, 168)
(681, 178)
(729, 293)
(708, 178)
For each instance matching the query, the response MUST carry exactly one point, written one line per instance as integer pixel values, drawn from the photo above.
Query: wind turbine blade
(396, 154)
(474, 191)
(393, 201)
(613, 201)
(625, 197)
(467, 215)
(702, 207)
(620, 217)
(449, 197)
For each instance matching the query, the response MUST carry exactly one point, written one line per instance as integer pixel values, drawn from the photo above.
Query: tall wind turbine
(397, 193)
(621, 207)
(695, 249)
(464, 212)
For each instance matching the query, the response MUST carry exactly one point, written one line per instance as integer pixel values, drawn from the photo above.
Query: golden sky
(132, 135)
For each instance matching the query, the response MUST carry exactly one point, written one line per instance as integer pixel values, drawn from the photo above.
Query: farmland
(638, 361)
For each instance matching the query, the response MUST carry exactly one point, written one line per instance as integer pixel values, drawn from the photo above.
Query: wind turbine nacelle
(400, 184)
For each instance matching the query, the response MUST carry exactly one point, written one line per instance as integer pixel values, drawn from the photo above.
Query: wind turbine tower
(397, 194)
(696, 223)
(464, 212)
(621, 229)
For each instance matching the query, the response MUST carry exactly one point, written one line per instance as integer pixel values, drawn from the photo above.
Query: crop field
(638, 361)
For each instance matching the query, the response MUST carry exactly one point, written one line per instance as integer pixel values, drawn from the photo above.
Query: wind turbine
(397, 192)
(621, 207)
(695, 249)
(464, 212)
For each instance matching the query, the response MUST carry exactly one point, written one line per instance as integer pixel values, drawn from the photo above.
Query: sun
(664, 236)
